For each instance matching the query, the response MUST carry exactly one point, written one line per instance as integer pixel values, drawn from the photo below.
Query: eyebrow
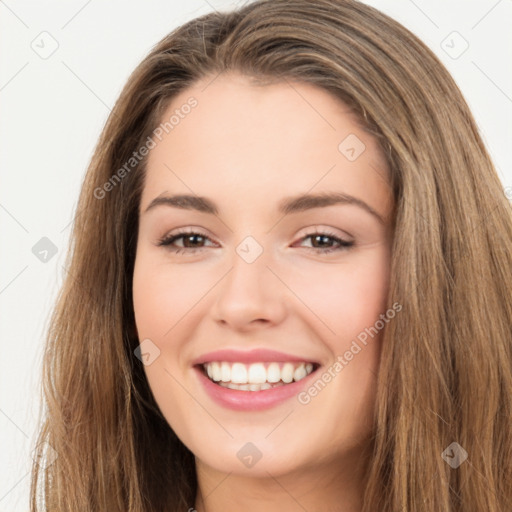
(286, 206)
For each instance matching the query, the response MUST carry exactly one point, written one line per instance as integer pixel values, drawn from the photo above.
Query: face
(281, 300)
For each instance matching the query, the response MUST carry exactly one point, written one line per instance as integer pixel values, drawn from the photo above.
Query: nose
(250, 295)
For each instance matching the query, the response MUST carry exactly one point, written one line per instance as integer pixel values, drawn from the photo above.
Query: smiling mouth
(256, 376)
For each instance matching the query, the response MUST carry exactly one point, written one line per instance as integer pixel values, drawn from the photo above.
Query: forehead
(249, 144)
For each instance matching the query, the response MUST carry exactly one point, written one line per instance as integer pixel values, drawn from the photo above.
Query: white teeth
(273, 372)
(248, 387)
(256, 376)
(216, 371)
(299, 373)
(225, 372)
(287, 373)
(238, 374)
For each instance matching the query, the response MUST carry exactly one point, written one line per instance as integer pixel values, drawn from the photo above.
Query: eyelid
(316, 229)
(335, 232)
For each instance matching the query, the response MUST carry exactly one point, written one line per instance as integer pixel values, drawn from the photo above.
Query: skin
(246, 148)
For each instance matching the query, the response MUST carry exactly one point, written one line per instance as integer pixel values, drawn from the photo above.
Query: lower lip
(251, 400)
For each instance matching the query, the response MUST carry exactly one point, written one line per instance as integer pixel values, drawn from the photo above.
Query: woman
(201, 357)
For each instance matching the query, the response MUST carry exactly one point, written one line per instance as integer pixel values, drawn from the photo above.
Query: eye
(191, 239)
(188, 237)
(323, 237)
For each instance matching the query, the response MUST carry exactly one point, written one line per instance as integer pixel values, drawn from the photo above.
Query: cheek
(163, 299)
(164, 295)
(348, 298)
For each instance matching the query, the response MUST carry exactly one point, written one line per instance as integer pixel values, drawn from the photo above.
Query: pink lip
(250, 356)
(251, 400)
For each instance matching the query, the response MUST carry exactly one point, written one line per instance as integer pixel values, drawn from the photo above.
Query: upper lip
(249, 356)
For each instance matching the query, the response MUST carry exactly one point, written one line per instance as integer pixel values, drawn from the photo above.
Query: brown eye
(191, 241)
(320, 239)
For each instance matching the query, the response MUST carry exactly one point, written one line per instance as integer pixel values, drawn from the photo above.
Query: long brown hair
(446, 365)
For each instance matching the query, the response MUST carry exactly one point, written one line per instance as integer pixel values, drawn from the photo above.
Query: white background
(52, 113)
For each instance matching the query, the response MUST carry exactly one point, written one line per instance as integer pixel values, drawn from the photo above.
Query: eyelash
(168, 240)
